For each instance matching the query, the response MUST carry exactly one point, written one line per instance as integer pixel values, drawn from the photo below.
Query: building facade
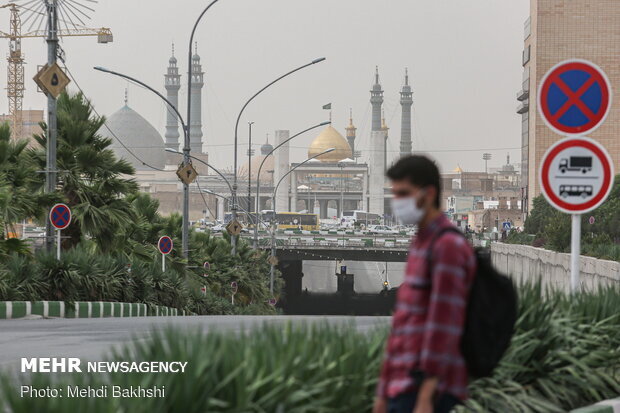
(554, 32)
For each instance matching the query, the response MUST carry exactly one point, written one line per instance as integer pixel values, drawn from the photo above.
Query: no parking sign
(574, 97)
(576, 173)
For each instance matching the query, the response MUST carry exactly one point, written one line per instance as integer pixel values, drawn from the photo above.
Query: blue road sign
(506, 225)
(165, 245)
(574, 97)
(60, 216)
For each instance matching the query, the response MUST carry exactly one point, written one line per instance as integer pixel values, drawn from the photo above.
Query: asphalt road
(94, 339)
(319, 276)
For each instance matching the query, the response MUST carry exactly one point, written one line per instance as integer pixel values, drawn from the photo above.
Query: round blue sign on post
(60, 216)
(165, 245)
(574, 97)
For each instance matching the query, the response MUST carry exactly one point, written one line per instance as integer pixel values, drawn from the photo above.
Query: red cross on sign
(574, 97)
(60, 216)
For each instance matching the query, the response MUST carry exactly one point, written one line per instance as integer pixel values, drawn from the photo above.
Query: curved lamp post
(185, 231)
(261, 167)
(186, 141)
(273, 226)
(234, 193)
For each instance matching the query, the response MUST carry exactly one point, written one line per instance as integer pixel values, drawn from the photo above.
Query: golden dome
(330, 138)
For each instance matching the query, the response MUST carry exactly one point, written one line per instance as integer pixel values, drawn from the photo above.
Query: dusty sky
(463, 59)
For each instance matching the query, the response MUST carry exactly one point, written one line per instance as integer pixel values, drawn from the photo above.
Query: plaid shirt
(429, 316)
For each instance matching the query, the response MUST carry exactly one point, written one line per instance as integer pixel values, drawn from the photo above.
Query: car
(218, 228)
(382, 230)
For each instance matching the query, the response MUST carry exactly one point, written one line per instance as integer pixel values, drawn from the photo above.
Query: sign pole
(58, 240)
(575, 251)
(163, 262)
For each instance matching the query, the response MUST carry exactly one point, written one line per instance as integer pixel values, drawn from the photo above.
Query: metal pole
(250, 169)
(273, 202)
(58, 241)
(575, 251)
(341, 191)
(186, 141)
(261, 167)
(272, 272)
(234, 194)
(50, 176)
(163, 263)
(186, 155)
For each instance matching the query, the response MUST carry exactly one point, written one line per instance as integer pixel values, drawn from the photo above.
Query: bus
(359, 219)
(292, 220)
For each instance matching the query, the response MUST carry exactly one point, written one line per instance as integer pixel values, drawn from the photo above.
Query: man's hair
(420, 171)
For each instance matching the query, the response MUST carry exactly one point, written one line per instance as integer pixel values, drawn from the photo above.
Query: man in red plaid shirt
(423, 370)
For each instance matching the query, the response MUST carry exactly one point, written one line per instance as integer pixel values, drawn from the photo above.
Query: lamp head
(319, 60)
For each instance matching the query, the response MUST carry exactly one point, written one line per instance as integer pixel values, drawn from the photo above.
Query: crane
(15, 58)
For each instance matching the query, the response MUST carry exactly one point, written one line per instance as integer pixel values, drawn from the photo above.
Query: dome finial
(172, 49)
(406, 77)
(350, 116)
(376, 75)
(126, 96)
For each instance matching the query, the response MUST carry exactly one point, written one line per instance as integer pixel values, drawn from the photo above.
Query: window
(526, 55)
(527, 29)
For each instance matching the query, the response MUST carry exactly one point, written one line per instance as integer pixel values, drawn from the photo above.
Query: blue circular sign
(574, 97)
(165, 245)
(60, 216)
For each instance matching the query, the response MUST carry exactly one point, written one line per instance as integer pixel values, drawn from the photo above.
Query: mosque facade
(330, 184)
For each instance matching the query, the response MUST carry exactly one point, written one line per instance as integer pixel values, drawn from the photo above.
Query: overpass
(295, 247)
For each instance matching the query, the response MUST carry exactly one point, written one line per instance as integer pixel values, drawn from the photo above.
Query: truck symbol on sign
(576, 163)
(576, 190)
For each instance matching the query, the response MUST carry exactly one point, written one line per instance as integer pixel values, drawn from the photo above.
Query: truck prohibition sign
(576, 163)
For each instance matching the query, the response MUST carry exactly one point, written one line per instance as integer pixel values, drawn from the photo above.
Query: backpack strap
(429, 255)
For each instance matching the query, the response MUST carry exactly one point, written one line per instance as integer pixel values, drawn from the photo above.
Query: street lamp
(261, 167)
(250, 165)
(234, 193)
(273, 227)
(185, 231)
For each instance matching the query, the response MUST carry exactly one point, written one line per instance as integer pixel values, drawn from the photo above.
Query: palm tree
(19, 198)
(93, 181)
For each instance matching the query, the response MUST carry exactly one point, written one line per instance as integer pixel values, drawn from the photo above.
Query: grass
(565, 354)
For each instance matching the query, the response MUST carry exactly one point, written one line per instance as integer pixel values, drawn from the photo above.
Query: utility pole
(250, 153)
(50, 175)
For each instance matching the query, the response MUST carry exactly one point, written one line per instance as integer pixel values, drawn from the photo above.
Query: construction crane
(15, 58)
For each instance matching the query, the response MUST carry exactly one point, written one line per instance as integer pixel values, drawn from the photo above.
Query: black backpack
(491, 314)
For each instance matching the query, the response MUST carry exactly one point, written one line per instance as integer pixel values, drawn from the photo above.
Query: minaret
(384, 128)
(173, 84)
(376, 100)
(375, 202)
(351, 131)
(195, 129)
(406, 101)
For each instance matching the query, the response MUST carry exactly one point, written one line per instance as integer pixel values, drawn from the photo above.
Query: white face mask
(407, 211)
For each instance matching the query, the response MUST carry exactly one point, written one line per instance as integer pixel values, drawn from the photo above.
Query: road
(319, 276)
(94, 339)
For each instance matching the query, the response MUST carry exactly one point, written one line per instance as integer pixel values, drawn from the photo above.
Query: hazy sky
(464, 60)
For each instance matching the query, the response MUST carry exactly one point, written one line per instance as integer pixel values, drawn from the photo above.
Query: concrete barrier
(607, 406)
(97, 309)
(525, 263)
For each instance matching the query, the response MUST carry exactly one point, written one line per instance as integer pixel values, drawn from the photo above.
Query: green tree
(19, 196)
(92, 180)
